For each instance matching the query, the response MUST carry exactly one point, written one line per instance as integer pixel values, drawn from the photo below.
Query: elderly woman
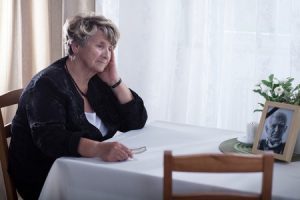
(71, 107)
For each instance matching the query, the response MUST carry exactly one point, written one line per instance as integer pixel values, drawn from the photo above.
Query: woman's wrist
(116, 84)
(88, 147)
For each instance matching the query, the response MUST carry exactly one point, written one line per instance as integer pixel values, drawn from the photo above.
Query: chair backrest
(6, 100)
(218, 163)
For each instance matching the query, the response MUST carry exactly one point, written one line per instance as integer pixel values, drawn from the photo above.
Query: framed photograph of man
(278, 130)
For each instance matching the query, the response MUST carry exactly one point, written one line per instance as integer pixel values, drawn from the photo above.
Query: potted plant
(276, 90)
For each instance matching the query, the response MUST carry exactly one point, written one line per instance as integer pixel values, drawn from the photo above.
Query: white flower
(279, 90)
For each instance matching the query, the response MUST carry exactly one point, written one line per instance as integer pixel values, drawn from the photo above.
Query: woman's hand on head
(110, 74)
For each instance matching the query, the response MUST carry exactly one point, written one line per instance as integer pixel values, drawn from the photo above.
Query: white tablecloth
(141, 177)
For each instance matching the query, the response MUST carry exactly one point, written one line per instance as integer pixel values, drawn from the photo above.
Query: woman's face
(95, 54)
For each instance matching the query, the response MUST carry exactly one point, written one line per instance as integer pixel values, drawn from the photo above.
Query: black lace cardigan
(50, 121)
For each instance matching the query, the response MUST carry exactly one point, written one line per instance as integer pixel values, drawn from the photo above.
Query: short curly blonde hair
(80, 27)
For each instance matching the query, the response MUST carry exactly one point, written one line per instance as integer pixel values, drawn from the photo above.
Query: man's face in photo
(277, 126)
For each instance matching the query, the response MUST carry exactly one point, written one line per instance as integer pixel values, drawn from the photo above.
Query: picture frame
(278, 130)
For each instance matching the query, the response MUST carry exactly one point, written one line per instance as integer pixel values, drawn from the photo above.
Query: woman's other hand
(107, 151)
(113, 151)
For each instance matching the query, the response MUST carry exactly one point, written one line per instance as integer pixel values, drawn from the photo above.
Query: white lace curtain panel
(197, 61)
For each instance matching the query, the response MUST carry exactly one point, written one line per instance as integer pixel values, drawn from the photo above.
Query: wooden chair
(7, 99)
(218, 163)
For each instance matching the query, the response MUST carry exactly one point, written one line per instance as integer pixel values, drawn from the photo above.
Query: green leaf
(271, 77)
(257, 90)
(266, 96)
(290, 80)
(296, 88)
(261, 104)
(267, 83)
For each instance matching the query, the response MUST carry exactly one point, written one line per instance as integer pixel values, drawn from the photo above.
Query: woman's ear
(75, 47)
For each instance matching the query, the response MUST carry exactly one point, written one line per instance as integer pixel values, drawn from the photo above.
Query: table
(141, 177)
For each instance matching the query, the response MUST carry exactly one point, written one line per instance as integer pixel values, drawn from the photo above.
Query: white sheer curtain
(197, 61)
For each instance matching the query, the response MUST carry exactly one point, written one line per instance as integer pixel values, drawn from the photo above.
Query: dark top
(50, 121)
(263, 145)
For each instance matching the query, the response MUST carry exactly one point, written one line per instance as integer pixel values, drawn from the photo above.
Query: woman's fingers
(114, 151)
